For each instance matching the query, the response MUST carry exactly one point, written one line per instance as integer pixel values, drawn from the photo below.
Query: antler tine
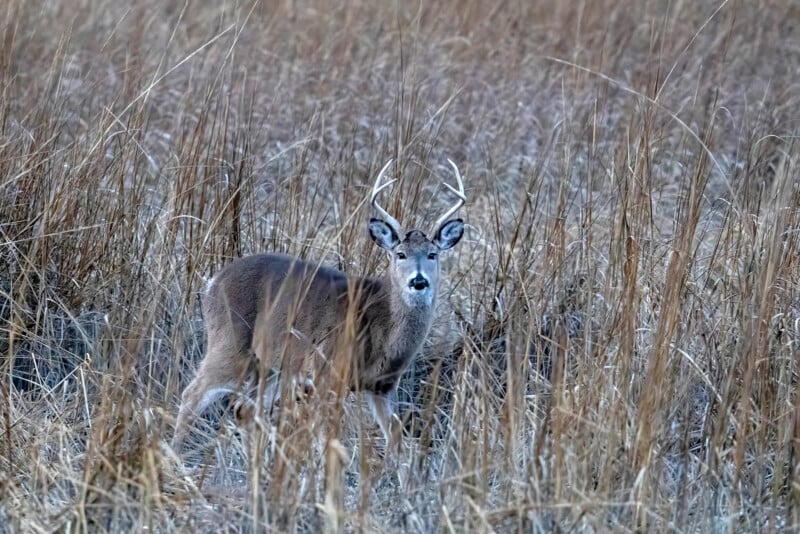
(462, 198)
(377, 188)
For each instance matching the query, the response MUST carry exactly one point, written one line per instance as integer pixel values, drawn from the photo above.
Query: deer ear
(383, 234)
(449, 234)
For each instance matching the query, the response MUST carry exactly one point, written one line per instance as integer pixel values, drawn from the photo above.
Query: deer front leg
(384, 410)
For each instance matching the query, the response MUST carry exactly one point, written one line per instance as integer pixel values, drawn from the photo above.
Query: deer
(277, 312)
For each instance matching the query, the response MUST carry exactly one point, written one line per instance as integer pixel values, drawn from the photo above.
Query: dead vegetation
(616, 347)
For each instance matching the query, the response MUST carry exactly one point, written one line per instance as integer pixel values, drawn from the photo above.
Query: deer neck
(410, 325)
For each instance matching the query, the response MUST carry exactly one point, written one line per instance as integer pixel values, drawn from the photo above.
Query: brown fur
(271, 314)
(251, 304)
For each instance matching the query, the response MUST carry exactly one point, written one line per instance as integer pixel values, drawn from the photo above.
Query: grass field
(616, 345)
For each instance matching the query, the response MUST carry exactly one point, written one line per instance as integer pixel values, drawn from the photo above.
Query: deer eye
(432, 255)
(401, 255)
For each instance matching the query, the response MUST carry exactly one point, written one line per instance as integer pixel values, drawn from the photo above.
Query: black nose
(419, 282)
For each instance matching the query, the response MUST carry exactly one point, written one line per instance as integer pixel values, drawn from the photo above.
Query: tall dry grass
(616, 348)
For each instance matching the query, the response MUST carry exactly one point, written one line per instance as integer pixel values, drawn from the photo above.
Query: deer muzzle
(419, 283)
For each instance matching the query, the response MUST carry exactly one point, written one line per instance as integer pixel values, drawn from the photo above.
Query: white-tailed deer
(277, 313)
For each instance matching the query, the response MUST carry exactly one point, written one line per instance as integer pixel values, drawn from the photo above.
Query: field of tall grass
(616, 342)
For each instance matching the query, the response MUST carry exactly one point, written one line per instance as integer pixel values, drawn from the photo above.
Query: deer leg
(273, 389)
(303, 387)
(246, 408)
(384, 410)
(215, 377)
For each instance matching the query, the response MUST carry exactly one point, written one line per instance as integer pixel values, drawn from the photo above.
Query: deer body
(284, 315)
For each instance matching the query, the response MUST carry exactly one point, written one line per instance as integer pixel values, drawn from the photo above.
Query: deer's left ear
(449, 234)
(383, 234)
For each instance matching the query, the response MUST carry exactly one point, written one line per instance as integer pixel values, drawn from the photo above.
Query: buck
(279, 313)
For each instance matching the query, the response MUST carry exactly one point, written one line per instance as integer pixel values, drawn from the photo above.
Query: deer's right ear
(449, 234)
(383, 234)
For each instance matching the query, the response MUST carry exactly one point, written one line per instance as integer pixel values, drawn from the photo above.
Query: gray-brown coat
(280, 314)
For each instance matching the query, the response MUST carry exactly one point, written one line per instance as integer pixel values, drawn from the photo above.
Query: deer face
(414, 269)
(414, 261)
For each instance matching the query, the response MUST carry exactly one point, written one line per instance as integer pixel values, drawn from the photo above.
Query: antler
(462, 198)
(377, 188)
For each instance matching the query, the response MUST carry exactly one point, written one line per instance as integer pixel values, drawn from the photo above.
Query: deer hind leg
(250, 414)
(289, 373)
(246, 406)
(220, 372)
(301, 386)
(247, 411)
